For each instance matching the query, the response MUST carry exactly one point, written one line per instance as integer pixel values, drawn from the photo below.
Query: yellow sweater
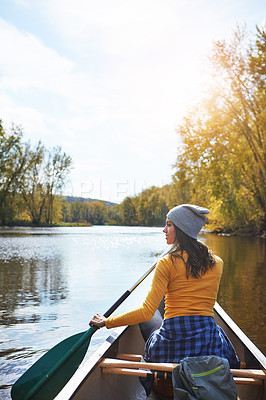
(182, 296)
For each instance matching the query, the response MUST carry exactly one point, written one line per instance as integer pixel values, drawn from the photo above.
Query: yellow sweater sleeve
(151, 303)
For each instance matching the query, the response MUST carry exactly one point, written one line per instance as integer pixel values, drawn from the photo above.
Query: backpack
(203, 377)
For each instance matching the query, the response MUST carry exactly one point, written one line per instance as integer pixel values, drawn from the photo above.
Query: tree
(222, 160)
(128, 212)
(242, 66)
(77, 212)
(13, 155)
(149, 208)
(97, 211)
(32, 186)
(45, 175)
(56, 169)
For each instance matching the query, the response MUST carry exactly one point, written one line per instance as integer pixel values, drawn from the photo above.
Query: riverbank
(61, 225)
(240, 232)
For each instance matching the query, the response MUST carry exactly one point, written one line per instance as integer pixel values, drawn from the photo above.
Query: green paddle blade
(44, 379)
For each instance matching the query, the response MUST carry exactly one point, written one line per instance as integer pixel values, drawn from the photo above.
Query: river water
(52, 280)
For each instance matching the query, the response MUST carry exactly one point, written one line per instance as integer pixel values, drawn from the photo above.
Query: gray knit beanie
(189, 218)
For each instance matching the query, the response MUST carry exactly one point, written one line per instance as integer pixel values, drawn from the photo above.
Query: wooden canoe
(92, 382)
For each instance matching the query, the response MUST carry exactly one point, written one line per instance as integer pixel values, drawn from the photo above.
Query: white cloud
(135, 85)
(32, 121)
(23, 3)
(26, 62)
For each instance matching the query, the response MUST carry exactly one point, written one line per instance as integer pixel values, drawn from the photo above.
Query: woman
(188, 277)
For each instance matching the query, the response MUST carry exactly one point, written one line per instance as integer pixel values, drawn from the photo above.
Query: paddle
(44, 379)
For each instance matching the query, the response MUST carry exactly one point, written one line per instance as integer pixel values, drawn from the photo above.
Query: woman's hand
(98, 320)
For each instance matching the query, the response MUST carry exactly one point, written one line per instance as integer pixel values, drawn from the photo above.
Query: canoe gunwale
(87, 368)
(241, 336)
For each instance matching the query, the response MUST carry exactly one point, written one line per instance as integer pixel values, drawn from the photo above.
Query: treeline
(220, 161)
(147, 209)
(30, 178)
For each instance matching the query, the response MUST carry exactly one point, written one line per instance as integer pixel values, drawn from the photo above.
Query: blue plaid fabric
(189, 336)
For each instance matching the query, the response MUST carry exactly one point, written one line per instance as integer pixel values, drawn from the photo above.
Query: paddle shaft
(87, 335)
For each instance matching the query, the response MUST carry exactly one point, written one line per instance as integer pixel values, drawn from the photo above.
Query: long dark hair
(200, 258)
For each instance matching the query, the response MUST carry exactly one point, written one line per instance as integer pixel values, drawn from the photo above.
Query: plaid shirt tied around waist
(189, 336)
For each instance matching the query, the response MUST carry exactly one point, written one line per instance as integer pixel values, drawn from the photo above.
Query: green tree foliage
(149, 208)
(30, 177)
(31, 187)
(128, 214)
(93, 212)
(44, 178)
(222, 160)
(12, 169)
(96, 213)
(56, 169)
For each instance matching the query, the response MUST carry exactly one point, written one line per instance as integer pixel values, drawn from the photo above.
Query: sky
(110, 81)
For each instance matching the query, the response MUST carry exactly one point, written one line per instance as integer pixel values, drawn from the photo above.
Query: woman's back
(189, 296)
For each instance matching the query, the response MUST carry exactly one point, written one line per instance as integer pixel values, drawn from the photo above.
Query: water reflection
(32, 282)
(29, 283)
(242, 288)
